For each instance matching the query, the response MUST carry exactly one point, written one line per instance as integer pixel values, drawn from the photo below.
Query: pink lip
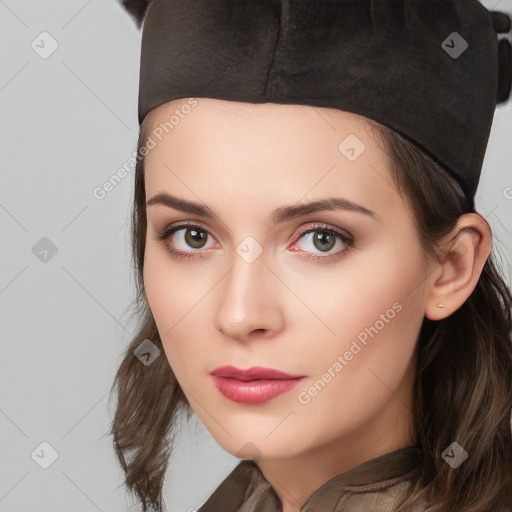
(255, 385)
(253, 373)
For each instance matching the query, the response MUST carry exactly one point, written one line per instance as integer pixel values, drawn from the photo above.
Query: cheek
(161, 296)
(177, 302)
(384, 279)
(170, 291)
(166, 295)
(373, 311)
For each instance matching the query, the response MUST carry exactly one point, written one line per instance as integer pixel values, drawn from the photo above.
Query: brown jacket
(376, 485)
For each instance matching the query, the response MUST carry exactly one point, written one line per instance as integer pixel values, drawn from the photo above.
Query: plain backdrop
(68, 122)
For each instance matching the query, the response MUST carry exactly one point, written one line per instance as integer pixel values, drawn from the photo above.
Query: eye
(178, 240)
(324, 238)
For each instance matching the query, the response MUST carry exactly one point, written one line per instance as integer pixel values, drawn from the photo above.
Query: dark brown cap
(428, 69)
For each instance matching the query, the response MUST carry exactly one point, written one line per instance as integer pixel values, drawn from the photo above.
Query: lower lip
(254, 392)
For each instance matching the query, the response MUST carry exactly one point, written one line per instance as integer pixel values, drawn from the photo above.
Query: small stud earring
(440, 306)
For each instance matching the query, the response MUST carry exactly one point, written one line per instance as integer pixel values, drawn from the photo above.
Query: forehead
(263, 148)
(263, 123)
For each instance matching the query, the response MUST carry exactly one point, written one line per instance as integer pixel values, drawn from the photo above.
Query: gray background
(68, 123)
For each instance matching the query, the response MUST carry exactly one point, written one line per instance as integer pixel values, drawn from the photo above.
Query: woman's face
(255, 290)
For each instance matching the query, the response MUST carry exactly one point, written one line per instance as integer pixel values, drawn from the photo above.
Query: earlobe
(456, 275)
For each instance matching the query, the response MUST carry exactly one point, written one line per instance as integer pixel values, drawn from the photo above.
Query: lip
(255, 385)
(253, 373)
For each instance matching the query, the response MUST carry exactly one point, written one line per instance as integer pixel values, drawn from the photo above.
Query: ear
(463, 255)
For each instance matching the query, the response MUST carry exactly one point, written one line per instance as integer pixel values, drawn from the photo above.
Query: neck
(295, 478)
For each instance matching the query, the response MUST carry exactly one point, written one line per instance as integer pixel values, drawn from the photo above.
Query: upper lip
(253, 373)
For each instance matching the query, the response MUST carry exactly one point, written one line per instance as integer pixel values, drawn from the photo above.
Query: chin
(259, 446)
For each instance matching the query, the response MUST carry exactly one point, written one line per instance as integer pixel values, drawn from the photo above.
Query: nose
(248, 304)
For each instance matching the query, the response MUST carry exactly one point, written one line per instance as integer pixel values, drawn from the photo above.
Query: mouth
(255, 385)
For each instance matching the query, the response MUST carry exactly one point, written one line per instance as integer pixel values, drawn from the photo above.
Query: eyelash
(170, 230)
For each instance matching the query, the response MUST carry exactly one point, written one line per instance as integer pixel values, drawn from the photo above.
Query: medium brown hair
(463, 386)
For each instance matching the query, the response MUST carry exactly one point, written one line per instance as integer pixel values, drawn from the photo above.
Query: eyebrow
(280, 214)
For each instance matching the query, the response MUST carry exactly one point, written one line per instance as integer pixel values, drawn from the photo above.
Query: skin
(286, 311)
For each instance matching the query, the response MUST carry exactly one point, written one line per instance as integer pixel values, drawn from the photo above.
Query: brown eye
(195, 238)
(186, 240)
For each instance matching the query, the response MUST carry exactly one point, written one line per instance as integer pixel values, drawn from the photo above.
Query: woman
(313, 270)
